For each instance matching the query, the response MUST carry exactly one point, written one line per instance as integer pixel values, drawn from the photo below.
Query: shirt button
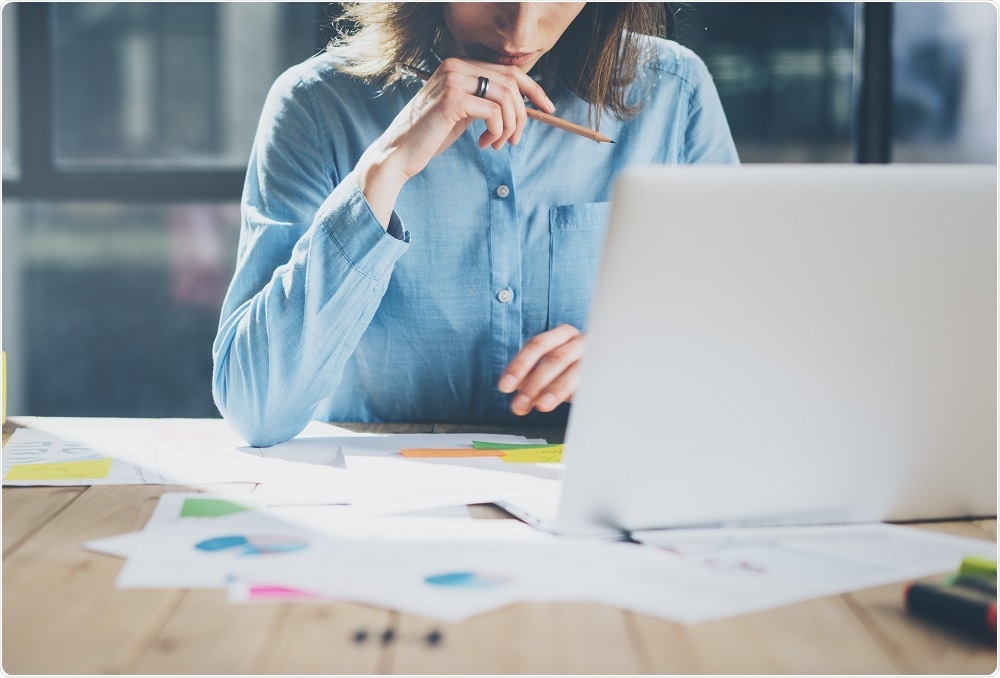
(503, 191)
(505, 296)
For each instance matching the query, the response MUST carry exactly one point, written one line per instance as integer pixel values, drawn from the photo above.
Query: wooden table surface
(63, 614)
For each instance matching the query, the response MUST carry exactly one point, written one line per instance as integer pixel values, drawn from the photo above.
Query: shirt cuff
(363, 243)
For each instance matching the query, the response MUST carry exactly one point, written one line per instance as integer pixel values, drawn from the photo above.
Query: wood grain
(526, 638)
(207, 635)
(27, 509)
(987, 527)
(818, 636)
(915, 645)
(61, 609)
(335, 638)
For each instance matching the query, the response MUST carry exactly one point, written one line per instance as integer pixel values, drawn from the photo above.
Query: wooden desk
(63, 614)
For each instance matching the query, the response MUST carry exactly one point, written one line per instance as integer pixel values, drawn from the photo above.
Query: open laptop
(787, 345)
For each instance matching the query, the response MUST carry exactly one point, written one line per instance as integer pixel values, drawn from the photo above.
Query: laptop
(777, 345)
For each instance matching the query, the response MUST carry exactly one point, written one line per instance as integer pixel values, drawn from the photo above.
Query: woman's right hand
(431, 122)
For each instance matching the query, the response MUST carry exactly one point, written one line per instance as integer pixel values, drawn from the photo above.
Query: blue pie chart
(258, 545)
(466, 580)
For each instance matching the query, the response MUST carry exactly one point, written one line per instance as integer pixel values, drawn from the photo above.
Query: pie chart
(466, 580)
(256, 545)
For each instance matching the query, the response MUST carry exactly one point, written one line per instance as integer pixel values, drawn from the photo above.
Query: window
(785, 74)
(945, 82)
(167, 84)
(121, 192)
(127, 126)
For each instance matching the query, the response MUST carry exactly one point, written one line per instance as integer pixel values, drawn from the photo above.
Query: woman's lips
(505, 58)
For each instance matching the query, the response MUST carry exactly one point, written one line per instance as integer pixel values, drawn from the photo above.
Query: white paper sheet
(140, 571)
(733, 571)
(396, 484)
(440, 568)
(354, 559)
(387, 485)
(153, 451)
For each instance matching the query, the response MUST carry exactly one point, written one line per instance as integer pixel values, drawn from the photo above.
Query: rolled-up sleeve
(312, 267)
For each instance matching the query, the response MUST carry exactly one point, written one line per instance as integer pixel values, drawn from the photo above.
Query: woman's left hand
(545, 371)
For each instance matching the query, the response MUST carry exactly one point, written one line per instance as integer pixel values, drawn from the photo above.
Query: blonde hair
(597, 57)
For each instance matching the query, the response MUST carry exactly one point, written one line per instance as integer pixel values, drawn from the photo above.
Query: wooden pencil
(534, 114)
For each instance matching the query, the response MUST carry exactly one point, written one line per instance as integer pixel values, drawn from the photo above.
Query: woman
(423, 251)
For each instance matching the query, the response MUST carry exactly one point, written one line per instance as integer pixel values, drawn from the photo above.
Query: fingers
(529, 88)
(507, 88)
(434, 119)
(546, 371)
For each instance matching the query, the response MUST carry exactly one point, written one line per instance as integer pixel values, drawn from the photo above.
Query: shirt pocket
(576, 237)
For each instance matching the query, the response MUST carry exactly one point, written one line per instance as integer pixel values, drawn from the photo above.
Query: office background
(126, 129)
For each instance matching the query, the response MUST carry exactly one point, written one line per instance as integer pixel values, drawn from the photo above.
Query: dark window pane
(118, 304)
(170, 84)
(785, 74)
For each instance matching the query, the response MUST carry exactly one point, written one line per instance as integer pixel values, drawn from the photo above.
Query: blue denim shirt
(331, 317)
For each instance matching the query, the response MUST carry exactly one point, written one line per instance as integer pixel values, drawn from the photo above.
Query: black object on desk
(962, 606)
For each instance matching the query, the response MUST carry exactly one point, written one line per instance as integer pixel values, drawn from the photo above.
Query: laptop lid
(789, 344)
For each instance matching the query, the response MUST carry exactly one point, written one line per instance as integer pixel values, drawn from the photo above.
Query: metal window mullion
(873, 82)
(35, 91)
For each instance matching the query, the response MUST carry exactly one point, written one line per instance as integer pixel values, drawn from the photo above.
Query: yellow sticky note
(61, 470)
(534, 455)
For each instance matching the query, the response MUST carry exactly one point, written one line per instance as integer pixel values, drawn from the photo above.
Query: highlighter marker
(983, 585)
(979, 568)
(960, 607)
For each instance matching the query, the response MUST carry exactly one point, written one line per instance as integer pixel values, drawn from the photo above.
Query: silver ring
(484, 86)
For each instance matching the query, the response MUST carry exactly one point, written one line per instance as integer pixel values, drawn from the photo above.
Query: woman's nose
(517, 22)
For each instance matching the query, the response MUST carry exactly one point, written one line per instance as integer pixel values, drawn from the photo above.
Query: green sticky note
(482, 445)
(61, 470)
(210, 508)
(550, 454)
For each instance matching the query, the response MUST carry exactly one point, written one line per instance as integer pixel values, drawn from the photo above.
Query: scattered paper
(453, 568)
(388, 485)
(446, 568)
(186, 508)
(71, 451)
(733, 571)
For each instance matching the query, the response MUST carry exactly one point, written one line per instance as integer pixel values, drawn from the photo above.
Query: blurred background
(127, 126)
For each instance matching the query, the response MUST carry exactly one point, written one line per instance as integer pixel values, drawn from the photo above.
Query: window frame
(41, 178)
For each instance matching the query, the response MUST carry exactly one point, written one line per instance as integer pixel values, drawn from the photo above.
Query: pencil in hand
(534, 114)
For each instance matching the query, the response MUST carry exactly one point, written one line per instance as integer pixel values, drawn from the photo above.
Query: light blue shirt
(330, 317)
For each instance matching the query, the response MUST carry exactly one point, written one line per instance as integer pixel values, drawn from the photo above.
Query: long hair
(597, 58)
